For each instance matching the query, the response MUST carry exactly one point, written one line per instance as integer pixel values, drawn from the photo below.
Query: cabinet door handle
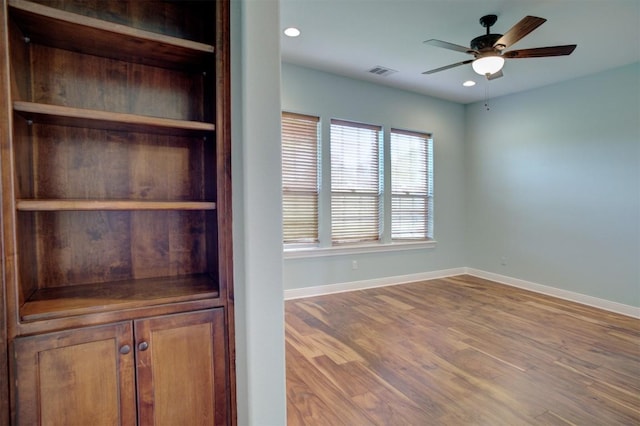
(125, 349)
(143, 346)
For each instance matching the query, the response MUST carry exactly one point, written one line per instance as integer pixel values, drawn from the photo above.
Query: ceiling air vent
(382, 71)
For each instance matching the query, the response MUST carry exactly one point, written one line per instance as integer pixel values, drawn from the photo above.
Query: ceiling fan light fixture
(488, 65)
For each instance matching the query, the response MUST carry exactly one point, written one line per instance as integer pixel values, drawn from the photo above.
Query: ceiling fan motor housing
(485, 42)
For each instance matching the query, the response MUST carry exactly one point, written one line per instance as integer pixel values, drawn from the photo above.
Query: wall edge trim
(321, 290)
(583, 299)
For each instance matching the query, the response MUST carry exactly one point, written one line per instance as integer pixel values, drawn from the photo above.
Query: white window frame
(411, 185)
(356, 166)
(300, 179)
(385, 244)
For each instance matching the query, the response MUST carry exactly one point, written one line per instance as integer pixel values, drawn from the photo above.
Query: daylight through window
(300, 178)
(411, 185)
(355, 182)
(356, 185)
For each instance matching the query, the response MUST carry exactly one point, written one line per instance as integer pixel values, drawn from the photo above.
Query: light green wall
(330, 96)
(547, 179)
(553, 184)
(255, 49)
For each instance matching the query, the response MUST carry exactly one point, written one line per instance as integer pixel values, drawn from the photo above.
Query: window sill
(302, 252)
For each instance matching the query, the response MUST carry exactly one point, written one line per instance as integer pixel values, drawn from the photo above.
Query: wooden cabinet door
(76, 377)
(181, 369)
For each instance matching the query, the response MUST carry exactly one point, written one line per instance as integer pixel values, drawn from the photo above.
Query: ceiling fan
(488, 49)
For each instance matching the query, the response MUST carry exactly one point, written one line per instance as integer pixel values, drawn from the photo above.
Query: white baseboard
(298, 293)
(607, 305)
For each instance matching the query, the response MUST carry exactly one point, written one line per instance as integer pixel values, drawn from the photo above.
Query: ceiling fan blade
(468, 61)
(518, 31)
(495, 75)
(540, 52)
(450, 46)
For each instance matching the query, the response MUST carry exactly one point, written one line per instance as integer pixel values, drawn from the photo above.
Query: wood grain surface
(459, 351)
(77, 377)
(181, 376)
(59, 28)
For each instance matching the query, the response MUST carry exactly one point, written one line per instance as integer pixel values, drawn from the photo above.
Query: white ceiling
(349, 37)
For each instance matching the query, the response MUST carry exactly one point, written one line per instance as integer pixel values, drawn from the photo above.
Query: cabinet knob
(143, 346)
(125, 349)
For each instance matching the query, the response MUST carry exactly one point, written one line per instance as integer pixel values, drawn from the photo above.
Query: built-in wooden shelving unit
(116, 194)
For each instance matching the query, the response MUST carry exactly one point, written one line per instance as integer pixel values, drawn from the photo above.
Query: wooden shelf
(95, 205)
(70, 31)
(104, 120)
(61, 302)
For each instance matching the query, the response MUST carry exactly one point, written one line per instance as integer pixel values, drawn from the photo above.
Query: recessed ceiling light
(292, 32)
(469, 83)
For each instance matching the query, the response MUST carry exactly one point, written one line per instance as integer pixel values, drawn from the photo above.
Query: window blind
(411, 185)
(355, 182)
(299, 178)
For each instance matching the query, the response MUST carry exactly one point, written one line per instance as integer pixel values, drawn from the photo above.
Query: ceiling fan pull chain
(486, 95)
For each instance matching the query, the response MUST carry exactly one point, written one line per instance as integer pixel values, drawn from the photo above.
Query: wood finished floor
(459, 351)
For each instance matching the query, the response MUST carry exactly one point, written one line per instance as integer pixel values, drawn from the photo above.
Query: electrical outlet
(354, 264)
(503, 260)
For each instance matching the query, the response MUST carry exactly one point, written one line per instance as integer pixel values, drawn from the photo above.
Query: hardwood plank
(330, 408)
(460, 350)
(552, 419)
(354, 379)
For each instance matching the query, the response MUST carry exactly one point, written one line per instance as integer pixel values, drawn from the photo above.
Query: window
(355, 182)
(300, 178)
(366, 189)
(411, 185)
